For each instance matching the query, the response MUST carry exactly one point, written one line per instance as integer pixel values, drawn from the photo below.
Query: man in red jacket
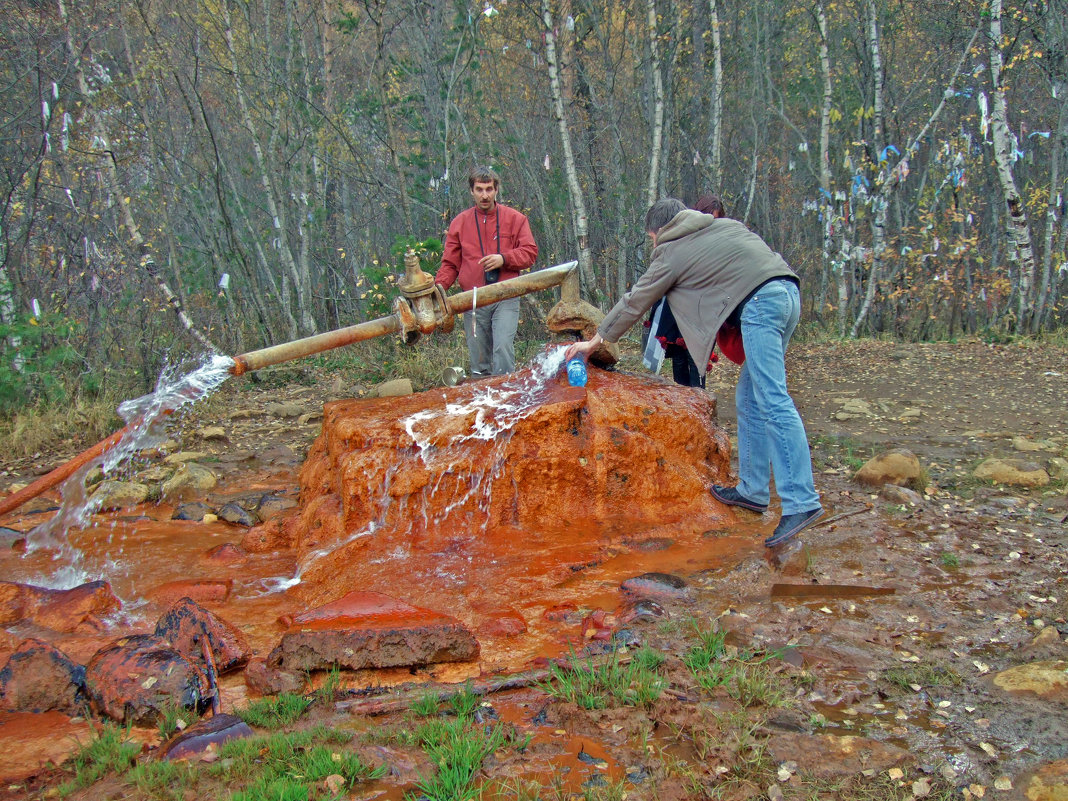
(486, 243)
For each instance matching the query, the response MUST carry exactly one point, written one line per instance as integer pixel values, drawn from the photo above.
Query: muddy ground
(870, 650)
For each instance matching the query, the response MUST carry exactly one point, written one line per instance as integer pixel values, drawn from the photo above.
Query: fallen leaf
(977, 790)
(921, 788)
(1002, 783)
(989, 749)
(147, 683)
(335, 783)
(896, 774)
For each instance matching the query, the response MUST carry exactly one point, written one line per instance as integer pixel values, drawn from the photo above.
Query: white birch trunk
(579, 217)
(827, 205)
(301, 283)
(880, 201)
(1060, 90)
(1019, 229)
(717, 98)
(118, 197)
(657, 144)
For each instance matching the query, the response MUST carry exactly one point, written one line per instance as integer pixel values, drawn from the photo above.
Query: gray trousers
(491, 336)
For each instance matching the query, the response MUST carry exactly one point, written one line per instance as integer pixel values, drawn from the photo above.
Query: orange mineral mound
(486, 491)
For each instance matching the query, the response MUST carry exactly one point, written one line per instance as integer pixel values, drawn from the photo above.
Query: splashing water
(496, 411)
(147, 418)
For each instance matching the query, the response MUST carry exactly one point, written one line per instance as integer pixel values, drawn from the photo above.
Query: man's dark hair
(710, 204)
(482, 173)
(661, 213)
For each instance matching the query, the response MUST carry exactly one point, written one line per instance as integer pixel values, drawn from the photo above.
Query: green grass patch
(274, 713)
(164, 780)
(108, 751)
(457, 747)
(933, 674)
(614, 682)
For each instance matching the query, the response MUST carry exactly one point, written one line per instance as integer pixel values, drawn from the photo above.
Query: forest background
(246, 172)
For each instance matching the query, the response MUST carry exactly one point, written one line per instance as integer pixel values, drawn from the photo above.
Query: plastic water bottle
(576, 372)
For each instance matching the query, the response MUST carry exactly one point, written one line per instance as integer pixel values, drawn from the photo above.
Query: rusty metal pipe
(461, 302)
(258, 359)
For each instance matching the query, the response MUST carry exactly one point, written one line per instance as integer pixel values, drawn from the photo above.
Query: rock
(110, 494)
(265, 680)
(898, 466)
(371, 630)
(186, 626)
(1048, 783)
(1024, 445)
(191, 479)
(1014, 472)
(60, 610)
(1057, 467)
(185, 456)
(310, 418)
(274, 535)
(393, 389)
(643, 610)
(661, 586)
(270, 505)
(503, 623)
(39, 677)
(1048, 645)
(216, 433)
(199, 590)
(235, 513)
(204, 737)
(839, 757)
(598, 625)
(901, 495)
(247, 414)
(226, 554)
(135, 678)
(156, 474)
(577, 319)
(285, 409)
(592, 456)
(1047, 679)
(194, 511)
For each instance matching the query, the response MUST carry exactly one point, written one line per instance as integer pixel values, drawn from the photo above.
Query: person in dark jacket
(486, 243)
(710, 270)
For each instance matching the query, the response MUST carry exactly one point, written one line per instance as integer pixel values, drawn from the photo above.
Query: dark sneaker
(731, 497)
(790, 525)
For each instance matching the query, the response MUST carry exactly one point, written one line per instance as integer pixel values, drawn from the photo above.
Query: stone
(1048, 783)
(577, 319)
(235, 513)
(204, 737)
(393, 389)
(1024, 445)
(187, 625)
(155, 474)
(135, 678)
(199, 590)
(1057, 467)
(898, 466)
(185, 456)
(60, 610)
(110, 494)
(1047, 679)
(195, 511)
(901, 495)
(189, 480)
(371, 630)
(659, 586)
(310, 418)
(285, 409)
(265, 680)
(503, 623)
(1014, 472)
(269, 505)
(39, 677)
(216, 433)
(273, 535)
(626, 451)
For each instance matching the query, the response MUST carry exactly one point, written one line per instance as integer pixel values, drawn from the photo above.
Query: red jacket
(462, 250)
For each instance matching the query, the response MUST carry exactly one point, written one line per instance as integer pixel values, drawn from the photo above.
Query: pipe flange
(446, 320)
(409, 332)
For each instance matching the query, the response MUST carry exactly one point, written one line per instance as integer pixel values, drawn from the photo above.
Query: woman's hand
(583, 349)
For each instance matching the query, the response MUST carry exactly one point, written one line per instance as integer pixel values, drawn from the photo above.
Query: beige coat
(706, 267)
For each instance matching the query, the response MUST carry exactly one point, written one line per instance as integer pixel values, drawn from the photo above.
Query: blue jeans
(771, 436)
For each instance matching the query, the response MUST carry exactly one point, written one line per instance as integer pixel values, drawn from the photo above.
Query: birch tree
(1019, 232)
